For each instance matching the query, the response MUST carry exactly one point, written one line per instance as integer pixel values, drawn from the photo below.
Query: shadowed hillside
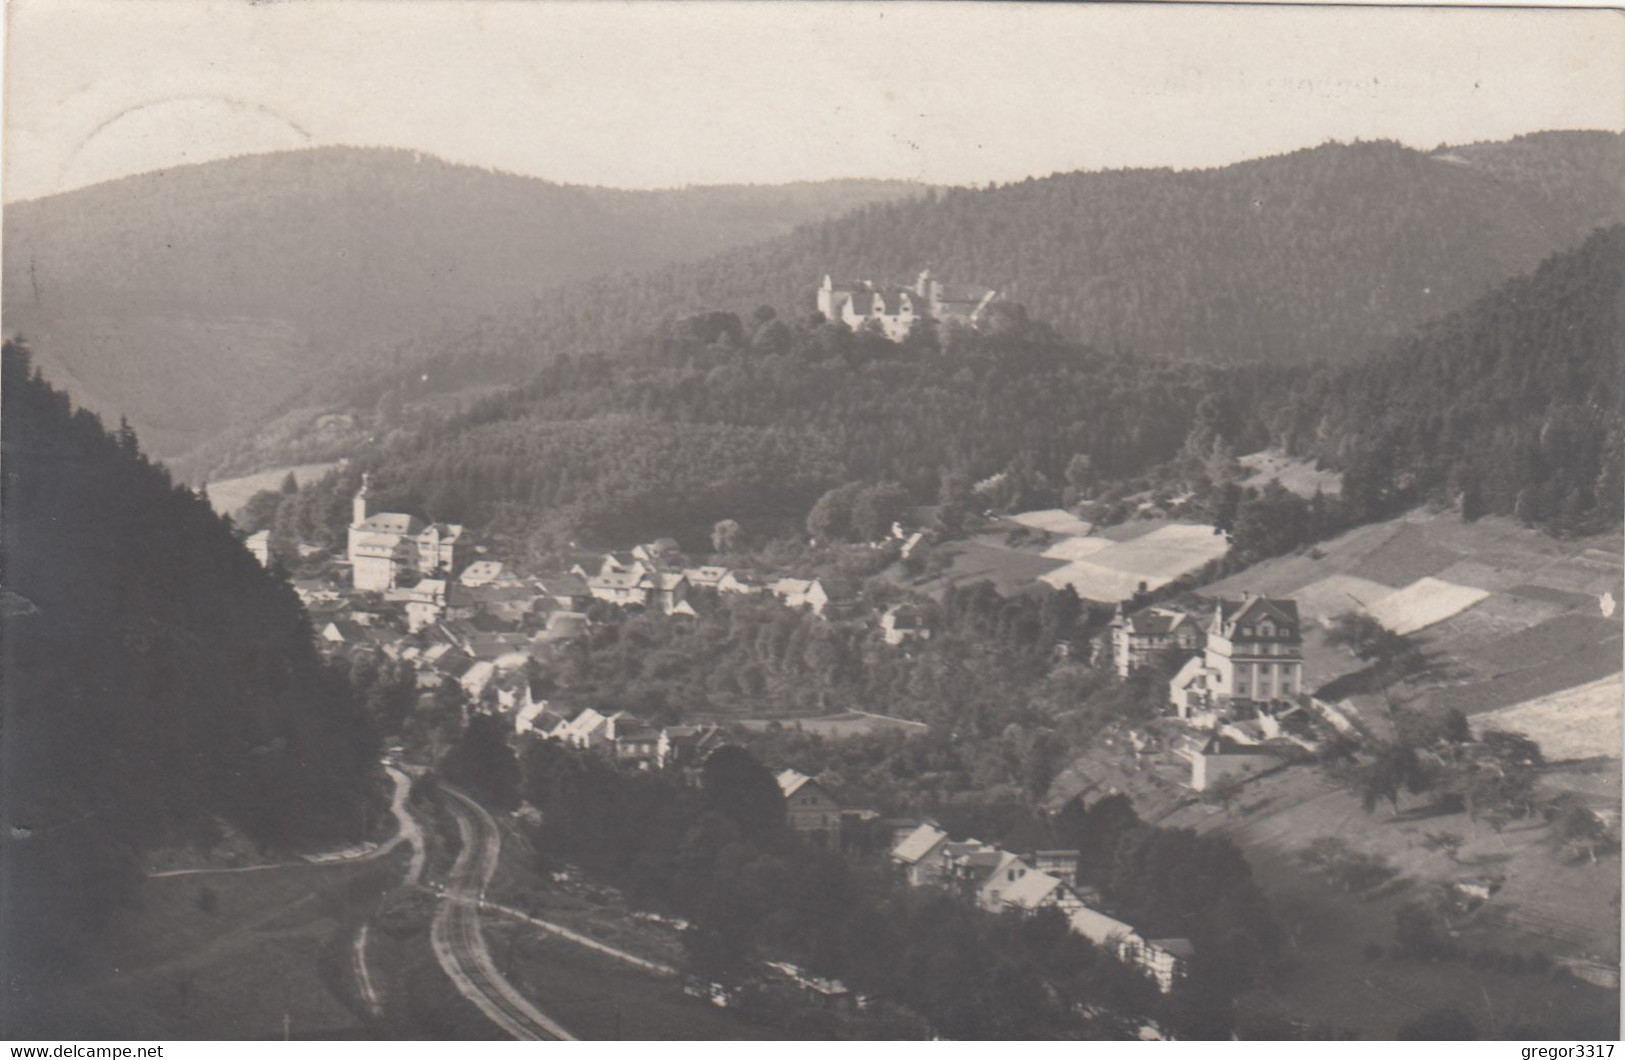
(1323, 254)
(198, 297)
(159, 685)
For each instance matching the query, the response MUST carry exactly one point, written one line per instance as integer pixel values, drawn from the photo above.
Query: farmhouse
(1037, 890)
(813, 813)
(917, 854)
(1162, 959)
(706, 577)
(481, 573)
(685, 745)
(1214, 757)
(801, 592)
(903, 622)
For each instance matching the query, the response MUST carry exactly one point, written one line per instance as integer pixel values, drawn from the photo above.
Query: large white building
(895, 309)
(383, 544)
(1253, 657)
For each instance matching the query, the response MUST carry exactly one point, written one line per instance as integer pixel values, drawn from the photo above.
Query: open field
(226, 955)
(1155, 557)
(1074, 548)
(581, 987)
(1054, 521)
(986, 557)
(1504, 614)
(1578, 723)
(1546, 904)
(1423, 603)
(1335, 595)
(230, 494)
(599, 998)
(1300, 476)
(838, 726)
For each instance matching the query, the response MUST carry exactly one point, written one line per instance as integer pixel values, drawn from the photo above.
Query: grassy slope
(274, 942)
(1547, 905)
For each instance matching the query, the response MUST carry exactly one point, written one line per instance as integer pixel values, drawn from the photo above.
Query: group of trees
(1329, 252)
(1003, 713)
(722, 856)
(158, 682)
(1490, 776)
(818, 429)
(1510, 407)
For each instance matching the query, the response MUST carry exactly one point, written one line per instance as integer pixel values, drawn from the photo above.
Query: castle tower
(358, 507)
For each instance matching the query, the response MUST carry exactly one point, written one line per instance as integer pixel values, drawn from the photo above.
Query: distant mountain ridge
(1325, 253)
(199, 297)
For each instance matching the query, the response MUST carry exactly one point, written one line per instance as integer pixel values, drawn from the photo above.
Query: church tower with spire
(358, 506)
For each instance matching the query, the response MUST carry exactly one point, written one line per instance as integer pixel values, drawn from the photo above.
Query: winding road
(459, 942)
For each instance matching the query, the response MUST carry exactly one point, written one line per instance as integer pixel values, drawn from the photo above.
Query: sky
(654, 94)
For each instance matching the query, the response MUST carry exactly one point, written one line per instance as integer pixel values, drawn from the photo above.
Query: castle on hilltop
(895, 309)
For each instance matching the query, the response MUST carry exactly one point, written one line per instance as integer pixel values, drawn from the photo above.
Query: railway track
(459, 941)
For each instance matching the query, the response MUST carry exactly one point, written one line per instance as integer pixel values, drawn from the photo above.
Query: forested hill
(1511, 406)
(1327, 253)
(157, 682)
(198, 296)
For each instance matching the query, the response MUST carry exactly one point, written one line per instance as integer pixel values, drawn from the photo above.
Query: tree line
(159, 684)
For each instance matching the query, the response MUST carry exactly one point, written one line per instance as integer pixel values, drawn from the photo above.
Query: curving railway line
(458, 941)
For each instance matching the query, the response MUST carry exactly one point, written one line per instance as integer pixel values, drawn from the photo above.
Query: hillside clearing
(1423, 603)
(230, 494)
(1300, 476)
(1577, 723)
(1155, 557)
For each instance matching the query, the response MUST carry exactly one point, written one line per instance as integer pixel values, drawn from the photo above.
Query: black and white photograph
(559, 520)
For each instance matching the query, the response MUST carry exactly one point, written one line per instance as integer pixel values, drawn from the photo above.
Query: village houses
(998, 880)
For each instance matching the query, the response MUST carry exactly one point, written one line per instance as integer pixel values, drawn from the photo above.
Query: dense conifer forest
(1510, 406)
(1323, 254)
(159, 684)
